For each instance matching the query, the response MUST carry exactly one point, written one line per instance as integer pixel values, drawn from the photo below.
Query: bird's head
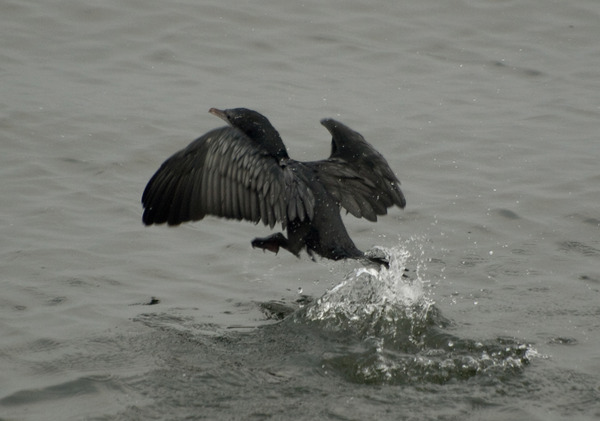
(256, 126)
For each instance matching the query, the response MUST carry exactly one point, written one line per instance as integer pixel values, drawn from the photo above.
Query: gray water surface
(488, 111)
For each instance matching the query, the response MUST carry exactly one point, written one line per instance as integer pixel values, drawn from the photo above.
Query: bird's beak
(219, 113)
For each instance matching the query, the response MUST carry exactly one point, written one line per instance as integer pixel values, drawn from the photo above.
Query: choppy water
(488, 111)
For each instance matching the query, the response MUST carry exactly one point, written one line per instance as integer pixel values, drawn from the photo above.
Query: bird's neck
(272, 142)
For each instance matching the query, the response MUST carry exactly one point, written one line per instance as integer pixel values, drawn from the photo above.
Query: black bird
(243, 171)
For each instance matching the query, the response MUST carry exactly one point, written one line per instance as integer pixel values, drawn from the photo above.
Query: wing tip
(330, 124)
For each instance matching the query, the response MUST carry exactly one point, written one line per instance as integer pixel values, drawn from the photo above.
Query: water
(488, 113)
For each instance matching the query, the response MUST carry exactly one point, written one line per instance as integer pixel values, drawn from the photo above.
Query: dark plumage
(243, 171)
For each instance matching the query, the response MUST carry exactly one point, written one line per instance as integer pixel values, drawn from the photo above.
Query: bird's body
(243, 171)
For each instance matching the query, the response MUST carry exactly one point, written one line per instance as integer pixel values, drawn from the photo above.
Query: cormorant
(243, 171)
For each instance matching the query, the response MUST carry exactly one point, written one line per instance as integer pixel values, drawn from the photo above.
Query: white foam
(373, 301)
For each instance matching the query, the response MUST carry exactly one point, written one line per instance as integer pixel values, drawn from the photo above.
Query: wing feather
(356, 175)
(222, 173)
(196, 206)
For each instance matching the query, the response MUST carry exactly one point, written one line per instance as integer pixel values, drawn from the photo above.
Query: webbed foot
(271, 243)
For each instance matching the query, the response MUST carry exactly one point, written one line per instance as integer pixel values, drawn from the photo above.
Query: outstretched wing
(222, 173)
(356, 175)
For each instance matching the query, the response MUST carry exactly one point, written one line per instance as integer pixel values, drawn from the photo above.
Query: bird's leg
(272, 243)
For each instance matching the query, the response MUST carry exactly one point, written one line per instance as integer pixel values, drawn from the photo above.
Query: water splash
(373, 303)
(386, 328)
